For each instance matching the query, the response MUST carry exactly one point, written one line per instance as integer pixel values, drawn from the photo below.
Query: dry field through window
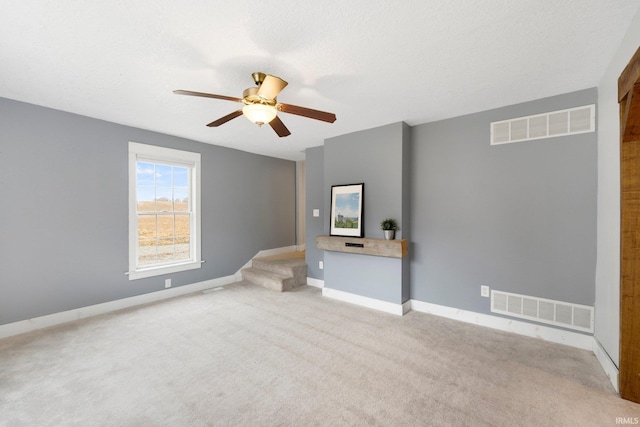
(165, 225)
(163, 232)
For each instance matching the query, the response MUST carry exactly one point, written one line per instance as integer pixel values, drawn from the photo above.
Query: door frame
(629, 100)
(301, 191)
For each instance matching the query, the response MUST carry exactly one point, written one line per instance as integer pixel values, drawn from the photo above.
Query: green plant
(389, 224)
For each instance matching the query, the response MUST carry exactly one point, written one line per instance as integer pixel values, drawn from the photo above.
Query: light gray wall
(374, 157)
(608, 268)
(314, 199)
(370, 276)
(64, 223)
(518, 217)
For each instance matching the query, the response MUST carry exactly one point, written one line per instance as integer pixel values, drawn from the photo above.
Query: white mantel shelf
(376, 247)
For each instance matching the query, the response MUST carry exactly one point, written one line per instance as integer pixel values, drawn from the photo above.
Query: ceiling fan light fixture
(259, 114)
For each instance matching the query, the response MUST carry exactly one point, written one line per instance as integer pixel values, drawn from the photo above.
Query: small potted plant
(389, 226)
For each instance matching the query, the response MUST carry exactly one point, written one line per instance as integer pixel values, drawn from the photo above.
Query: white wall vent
(565, 314)
(546, 125)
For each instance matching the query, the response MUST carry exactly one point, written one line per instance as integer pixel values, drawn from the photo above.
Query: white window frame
(170, 156)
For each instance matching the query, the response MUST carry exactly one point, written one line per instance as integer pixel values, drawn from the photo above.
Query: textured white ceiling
(370, 62)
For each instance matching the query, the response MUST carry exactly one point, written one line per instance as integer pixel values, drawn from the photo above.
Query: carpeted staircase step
(268, 279)
(291, 268)
(278, 272)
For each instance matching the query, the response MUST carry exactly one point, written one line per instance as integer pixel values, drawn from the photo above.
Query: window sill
(166, 269)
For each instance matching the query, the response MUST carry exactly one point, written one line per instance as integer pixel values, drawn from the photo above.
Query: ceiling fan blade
(277, 125)
(307, 112)
(206, 95)
(271, 87)
(225, 119)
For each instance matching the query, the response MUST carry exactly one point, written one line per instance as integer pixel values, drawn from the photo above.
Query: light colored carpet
(247, 356)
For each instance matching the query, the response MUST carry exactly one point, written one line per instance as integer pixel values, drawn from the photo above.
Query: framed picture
(347, 210)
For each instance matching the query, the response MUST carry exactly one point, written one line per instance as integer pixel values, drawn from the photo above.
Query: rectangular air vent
(547, 125)
(565, 314)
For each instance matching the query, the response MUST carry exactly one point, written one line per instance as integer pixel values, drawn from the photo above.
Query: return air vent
(567, 315)
(547, 125)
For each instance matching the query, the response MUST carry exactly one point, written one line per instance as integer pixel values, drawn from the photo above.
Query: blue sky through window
(158, 181)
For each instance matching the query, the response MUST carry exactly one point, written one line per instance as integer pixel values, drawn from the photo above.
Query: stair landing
(278, 272)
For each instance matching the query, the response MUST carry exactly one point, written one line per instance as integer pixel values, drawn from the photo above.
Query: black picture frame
(347, 210)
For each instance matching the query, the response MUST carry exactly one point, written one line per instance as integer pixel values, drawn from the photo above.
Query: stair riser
(300, 275)
(268, 282)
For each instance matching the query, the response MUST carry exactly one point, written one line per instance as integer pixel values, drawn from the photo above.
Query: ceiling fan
(261, 106)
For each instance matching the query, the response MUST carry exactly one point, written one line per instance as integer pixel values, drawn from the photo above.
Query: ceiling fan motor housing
(250, 96)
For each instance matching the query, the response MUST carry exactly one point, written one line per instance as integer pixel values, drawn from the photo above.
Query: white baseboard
(35, 323)
(376, 304)
(317, 283)
(573, 339)
(607, 364)
(546, 333)
(266, 252)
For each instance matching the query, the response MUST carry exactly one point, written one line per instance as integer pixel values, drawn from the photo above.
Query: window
(164, 210)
